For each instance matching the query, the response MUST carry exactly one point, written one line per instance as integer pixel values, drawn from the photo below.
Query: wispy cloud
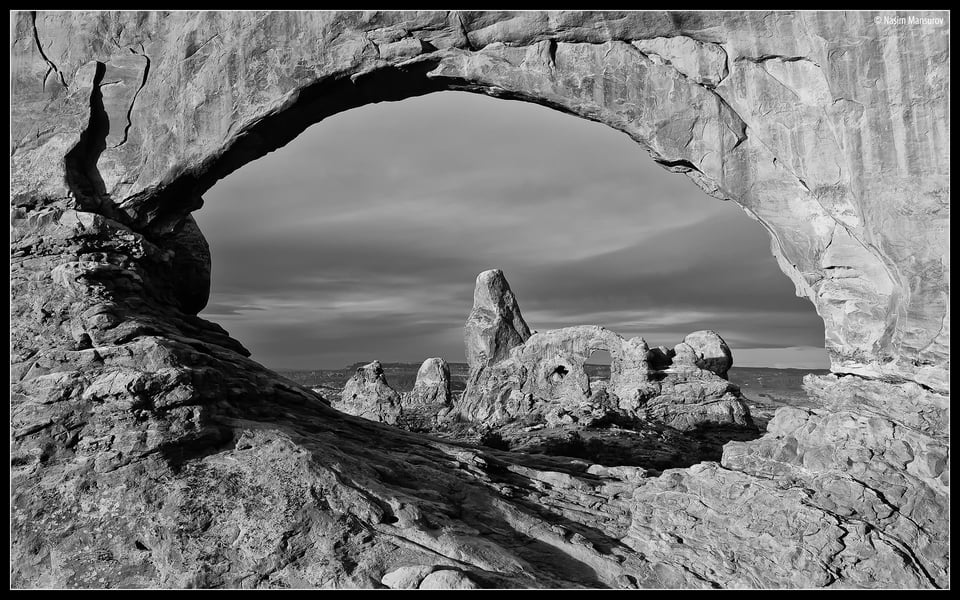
(221, 309)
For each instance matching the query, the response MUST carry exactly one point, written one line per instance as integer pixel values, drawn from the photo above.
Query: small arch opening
(557, 375)
(598, 368)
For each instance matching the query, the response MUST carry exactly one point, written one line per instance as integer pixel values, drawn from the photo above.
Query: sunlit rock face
(430, 400)
(495, 324)
(432, 387)
(710, 352)
(147, 450)
(367, 394)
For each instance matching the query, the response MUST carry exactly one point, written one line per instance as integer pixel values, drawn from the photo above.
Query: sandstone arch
(122, 120)
(687, 88)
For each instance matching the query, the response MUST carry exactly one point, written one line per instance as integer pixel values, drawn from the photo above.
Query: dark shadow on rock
(651, 446)
(210, 440)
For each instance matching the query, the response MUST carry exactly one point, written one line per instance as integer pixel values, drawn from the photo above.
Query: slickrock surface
(147, 450)
(866, 494)
(367, 394)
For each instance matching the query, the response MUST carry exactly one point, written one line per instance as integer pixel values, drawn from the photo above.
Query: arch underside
(123, 120)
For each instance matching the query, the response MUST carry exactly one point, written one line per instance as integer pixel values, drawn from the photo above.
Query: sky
(362, 238)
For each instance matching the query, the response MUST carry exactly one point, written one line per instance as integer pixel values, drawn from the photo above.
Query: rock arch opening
(719, 164)
(558, 373)
(359, 195)
(598, 369)
(389, 184)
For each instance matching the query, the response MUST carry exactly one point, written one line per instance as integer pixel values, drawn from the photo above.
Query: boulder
(448, 579)
(711, 353)
(406, 578)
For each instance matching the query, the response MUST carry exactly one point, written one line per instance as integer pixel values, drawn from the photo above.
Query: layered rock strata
(148, 450)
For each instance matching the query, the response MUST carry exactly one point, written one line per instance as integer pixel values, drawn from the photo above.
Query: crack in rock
(50, 63)
(143, 82)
